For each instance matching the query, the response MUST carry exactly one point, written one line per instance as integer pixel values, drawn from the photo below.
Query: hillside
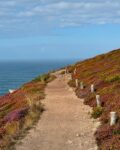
(20, 110)
(104, 72)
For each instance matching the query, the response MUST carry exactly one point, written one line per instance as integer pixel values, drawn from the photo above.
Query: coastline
(95, 71)
(21, 110)
(16, 73)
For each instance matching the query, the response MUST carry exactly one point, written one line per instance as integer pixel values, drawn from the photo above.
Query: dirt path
(65, 125)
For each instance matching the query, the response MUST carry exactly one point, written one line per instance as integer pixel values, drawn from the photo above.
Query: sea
(14, 74)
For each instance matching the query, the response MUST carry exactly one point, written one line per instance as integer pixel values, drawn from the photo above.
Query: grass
(112, 78)
(116, 132)
(42, 78)
(5, 109)
(62, 72)
(97, 112)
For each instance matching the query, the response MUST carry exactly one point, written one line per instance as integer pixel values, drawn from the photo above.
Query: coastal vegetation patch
(104, 72)
(21, 110)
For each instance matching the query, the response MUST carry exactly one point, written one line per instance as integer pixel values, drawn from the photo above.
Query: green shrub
(112, 78)
(51, 78)
(116, 132)
(97, 112)
(107, 90)
(6, 109)
(44, 78)
(12, 127)
(63, 72)
(71, 83)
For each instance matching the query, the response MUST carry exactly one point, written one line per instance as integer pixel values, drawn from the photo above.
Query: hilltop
(104, 72)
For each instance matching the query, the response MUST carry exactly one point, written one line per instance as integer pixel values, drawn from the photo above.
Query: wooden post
(98, 100)
(66, 70)
(92, 88)
(70, 77)
(113, 118)
(81, 86)
(76, 82)
(75, 71)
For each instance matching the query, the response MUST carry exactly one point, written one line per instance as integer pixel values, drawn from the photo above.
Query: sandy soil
(66, 123)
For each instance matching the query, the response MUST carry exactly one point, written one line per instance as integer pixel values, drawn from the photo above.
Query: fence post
(66, 71)
(98, 100)
(92, 88)
(81, 86)
(70, 77)
(76, 82)
(113, 118)
(75, 71)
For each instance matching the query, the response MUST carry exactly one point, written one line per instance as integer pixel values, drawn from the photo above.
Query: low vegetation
(112, 78)
(63, 72)
(104, 72)
(20, 110)
(97, 112)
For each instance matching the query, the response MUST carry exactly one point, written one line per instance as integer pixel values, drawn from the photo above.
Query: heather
(104, 72)
(21, 110)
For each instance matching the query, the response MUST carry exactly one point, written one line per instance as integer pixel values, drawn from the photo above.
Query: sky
(58, 29)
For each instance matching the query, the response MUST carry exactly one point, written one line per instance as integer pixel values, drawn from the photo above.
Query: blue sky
(58, 29)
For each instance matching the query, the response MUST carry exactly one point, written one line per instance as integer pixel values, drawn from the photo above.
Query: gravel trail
(65, 124)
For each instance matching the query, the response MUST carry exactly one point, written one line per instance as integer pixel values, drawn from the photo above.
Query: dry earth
(66, 123)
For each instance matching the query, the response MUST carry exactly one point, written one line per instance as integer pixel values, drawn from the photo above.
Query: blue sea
(14, 74)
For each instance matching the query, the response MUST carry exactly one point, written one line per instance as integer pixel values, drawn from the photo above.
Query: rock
(70, 142)
(77, 135)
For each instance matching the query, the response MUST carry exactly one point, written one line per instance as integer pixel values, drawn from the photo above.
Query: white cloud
(59, 13)
(7, 3)
(77, 13)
